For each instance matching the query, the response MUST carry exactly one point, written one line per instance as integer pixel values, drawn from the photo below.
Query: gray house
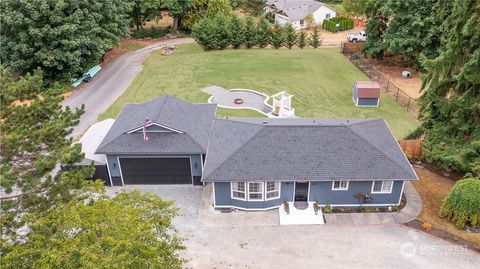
(257, 164)
(174, 149)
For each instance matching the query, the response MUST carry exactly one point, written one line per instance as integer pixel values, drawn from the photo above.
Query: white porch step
(300, 217)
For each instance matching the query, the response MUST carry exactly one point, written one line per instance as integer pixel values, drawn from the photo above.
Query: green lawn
(320, 79)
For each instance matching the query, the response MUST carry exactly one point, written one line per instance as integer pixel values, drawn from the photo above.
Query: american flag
(147, 122)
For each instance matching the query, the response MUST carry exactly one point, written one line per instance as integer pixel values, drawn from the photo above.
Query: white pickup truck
(357, 37)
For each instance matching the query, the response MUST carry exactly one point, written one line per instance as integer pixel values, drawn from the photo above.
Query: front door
(301, 191)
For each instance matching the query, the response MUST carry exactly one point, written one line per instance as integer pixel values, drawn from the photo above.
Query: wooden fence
(412, 148)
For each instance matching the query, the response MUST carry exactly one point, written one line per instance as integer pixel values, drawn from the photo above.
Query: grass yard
(320, 79)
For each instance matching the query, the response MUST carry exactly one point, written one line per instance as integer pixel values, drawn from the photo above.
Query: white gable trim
(156, 124)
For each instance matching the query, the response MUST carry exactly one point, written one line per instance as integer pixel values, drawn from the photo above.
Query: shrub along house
(257, 164)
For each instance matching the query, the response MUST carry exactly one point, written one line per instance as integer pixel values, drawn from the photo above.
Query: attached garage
(156, 170)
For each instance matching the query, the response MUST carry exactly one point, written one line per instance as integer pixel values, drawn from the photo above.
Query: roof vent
(265, 122)
(348, 121)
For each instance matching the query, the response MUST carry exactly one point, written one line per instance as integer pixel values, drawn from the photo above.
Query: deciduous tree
(130, 230)
(219, 7)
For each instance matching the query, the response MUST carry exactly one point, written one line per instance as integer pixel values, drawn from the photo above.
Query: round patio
(231, 99)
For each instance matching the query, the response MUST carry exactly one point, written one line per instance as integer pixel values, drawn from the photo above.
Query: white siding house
(296, 11)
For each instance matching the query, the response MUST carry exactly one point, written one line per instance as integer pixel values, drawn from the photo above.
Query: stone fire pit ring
(238, 101)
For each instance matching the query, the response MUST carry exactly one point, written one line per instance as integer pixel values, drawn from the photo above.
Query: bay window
(238, 190)
(255, 191)
(272, 191)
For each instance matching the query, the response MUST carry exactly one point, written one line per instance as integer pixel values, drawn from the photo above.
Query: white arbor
(282, 105)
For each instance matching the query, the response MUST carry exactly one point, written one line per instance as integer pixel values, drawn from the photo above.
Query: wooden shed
(366, 93)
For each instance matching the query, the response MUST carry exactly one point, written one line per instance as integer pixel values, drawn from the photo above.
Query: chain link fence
(407, 102)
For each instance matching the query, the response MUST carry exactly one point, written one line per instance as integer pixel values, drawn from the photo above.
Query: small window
(272, 190)
(302, 22)
(382, 186)
(238, 190)
(255, 191)
(327, 16)
(340, 186)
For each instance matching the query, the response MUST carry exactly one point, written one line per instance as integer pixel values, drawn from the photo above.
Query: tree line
(228, 30)
(441, 39)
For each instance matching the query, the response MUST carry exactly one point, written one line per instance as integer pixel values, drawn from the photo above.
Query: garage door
(156, 170)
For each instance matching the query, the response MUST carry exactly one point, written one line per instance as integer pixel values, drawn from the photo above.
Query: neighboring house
(257, 164)
(296, 11)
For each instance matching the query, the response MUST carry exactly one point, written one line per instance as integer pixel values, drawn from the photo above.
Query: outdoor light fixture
(195, 165)
(114, 165)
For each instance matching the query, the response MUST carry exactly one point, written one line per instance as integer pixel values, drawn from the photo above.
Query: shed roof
(367, 85)
(304, 149)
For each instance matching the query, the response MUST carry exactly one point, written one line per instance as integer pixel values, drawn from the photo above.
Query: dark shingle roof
(194, 120)
(304, 149)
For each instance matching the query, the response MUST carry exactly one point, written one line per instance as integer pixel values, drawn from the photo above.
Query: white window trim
(382, 192)
(236, 198)
(262, 191)
(340, 189)
(279, 190)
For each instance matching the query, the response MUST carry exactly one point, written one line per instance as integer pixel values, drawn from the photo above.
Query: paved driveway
(110, 83)
(307, 246)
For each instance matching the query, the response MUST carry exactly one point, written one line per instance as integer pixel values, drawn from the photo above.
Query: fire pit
(238, 101)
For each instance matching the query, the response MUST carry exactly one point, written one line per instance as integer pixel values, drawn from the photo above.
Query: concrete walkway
(110, 83)
(251, 99)
(412, 209)
(238, 218)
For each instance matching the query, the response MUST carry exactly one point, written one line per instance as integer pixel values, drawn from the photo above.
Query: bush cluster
(344, 24)
(222, 31)
(154, 32)
(462, 205)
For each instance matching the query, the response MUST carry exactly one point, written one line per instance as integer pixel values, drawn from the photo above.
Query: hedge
(331, 24)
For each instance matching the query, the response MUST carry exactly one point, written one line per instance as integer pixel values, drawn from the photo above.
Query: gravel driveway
(305, 246)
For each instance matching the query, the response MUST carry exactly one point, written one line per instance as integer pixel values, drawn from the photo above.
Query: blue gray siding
(321, 191)
(114, 170)
(367, 102)
(223, 197)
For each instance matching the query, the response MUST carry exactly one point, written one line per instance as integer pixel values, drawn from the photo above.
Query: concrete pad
(358, 218)
(386, 218)
(373, 218)
(344, 218)
(331, 218)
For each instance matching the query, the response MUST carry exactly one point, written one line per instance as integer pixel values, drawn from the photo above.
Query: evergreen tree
(63, 38)
(250, 32)
(278, 37)
(264, 33)
(302, 40)
(237, 32)
(376, 26)
(290, 36)
(315, 40)
(450, 104)
(33, 143)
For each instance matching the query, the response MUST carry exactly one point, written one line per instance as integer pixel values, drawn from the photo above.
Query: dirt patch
(336, 39)
(444, 235)
(393, 72)
(433, 188)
